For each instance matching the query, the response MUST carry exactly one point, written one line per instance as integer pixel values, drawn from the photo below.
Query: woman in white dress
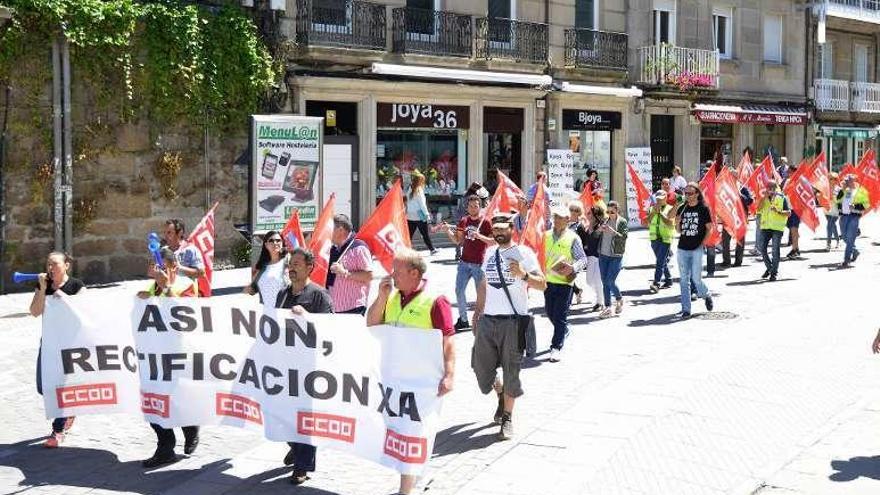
(269, 275)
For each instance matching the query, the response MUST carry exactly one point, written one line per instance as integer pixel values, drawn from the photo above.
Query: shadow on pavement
(660, 320)
(657, 300)
(101, 469)
(855, 468)
(459, 438)
(639, 267)
(635, 293)
(746, 283)
(830, 266)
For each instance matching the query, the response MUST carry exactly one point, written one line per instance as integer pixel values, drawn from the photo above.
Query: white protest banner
(560, 176)
(327, 380)
(285, 168)
(640, 158)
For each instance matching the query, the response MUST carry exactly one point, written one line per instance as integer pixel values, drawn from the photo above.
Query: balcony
(341, 23)
(684, 68)
(511, 40)
(595, 49)
(432, 32)
(859, 10)
(833, 95)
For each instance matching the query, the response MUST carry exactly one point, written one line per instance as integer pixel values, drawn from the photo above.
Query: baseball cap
(559, 211)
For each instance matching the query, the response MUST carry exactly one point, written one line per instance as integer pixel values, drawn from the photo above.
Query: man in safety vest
(169, 282)
(564, 258)
(661, 227)
(411, 306)
(852, 202)
(773, 212)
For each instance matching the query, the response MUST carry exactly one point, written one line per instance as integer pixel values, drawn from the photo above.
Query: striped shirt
(346, 292)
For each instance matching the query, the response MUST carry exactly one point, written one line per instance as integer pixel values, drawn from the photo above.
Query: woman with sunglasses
(694, 225)
(269, 275)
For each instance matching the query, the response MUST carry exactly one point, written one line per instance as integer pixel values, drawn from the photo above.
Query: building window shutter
(585, 14)
(773, 39)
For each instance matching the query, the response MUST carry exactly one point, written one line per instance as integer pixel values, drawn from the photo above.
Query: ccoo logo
(325, 425)
(236, 406)
(156, 404)
(93, 394)
(412, 450)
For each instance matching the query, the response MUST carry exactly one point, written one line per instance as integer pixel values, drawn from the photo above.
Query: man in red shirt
(473, 235)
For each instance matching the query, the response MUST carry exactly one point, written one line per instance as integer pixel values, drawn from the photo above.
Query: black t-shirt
(693, 226)
(71, 287)
(313, 299)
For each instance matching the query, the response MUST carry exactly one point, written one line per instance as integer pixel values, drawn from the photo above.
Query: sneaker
(844, 265)
(666, 284)
(828, 247)
(709, 303)
(618, 306)
(159, 460)
(773, 277)
(606, 313)
(433, 252)
(765, 274)
(578, 298)
(792, 255)
(555, 355)
(191, 444)
(693, 296)
(506, 432)
(596, 307)
(855, 255)
(654, 288)
(499, 412)
(461, 325)
(54, 441)
(683, 315)
(298, 477)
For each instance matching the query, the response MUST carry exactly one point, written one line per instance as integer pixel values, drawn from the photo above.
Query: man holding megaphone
(57, 283)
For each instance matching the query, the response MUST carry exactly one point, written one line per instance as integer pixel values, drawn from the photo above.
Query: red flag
(848, 169)
(817, 174)
(494, 205)
(586, 197)
(203, 238)
(729, 205)
(745, 168)
(320, 243)
(386, 230)
(757, 183)
(707, 184)
(869, 177)
(511, 191)
(533, 234)
(644, 198)
(802, 200)
(292, 232)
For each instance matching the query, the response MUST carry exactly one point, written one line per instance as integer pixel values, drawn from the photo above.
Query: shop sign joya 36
(421, 115)
(370, 392)
(285, 169)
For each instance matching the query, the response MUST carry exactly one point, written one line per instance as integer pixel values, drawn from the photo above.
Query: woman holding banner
(54, 282)
(269, 275)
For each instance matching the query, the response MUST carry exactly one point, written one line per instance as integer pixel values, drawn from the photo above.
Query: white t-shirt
(273, 280)
(496, 300)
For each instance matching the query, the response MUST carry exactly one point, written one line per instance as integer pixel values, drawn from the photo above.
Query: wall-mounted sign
(422, 115)
(722, 117)
(590, 120)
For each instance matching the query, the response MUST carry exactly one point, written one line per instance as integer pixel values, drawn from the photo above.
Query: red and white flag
(817, 174)
(505, 198)
(757, 183)
(745, 169)
(644, 198)
(533, 234)
(707, 185)
(292, 232)
(202, 236)
(320, 242)
(869, 176)
(802, 199)
(386, 230)
(729, 206)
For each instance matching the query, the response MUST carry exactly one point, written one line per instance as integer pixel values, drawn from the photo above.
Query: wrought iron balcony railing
(592, 48)
(432, 32)
(341, 23)
(512, 40)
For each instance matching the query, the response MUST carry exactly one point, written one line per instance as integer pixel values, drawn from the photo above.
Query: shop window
(716, 138)
(340, 118)
(838, 152)
(502, 144)
(769, 139)
(439, 155)
(592, 152)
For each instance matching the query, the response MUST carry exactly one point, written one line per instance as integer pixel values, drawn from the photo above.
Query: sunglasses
(274, 240)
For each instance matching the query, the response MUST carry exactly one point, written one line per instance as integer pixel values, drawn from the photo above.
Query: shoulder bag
(525, 324)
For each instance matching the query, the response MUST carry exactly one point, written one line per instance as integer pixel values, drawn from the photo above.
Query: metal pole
(68, 148)
(3, 269)
(57, 145)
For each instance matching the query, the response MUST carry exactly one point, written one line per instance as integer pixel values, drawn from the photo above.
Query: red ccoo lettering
(315, 424)
(93, 394)
(411, 450)
(236, 406)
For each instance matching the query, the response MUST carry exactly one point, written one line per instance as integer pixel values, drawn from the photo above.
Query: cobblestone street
(773, 393)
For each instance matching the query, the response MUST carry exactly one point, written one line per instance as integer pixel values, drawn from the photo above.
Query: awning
(630, 92)
(751, 114)
(424, 72)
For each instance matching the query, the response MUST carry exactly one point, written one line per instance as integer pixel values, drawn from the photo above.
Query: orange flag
(757, 183)
(817, 174)
(707, 184)
(292, 232)
(320, 242)
(587, 197)
(533, 234)
(386, 230)
(202, 236)
(869, 177)
(745, 169)
(729, 205)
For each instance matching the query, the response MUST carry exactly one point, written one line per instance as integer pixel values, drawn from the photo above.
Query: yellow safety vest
(416, 314)
(180, 285)
(658, 228)
(556, 251)
(770, 220)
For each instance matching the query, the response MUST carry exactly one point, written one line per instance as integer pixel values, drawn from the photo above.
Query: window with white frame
(773, 38)
(860, 63)
(826, 60)
(664, 21)
(722, 31)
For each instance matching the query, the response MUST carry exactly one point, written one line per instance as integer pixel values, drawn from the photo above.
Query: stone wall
(118, 196)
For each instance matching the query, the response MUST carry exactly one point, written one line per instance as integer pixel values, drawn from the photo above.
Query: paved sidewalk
(774, 392)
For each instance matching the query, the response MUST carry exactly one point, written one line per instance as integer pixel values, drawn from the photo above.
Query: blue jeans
(771, 261)
(609, 267)
(849, 224)
(466, 271)
(757, 231)
(690, 268)
(661, 266)
(557, 301)
(831, 228)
